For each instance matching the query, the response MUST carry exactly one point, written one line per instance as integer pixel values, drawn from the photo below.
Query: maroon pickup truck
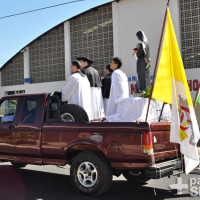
(40, 129)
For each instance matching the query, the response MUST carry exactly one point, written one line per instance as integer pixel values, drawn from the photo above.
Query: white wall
(116, 29)
(67, 49)
(26, 63)
(136, 15)
(193, 77)
(34, 88)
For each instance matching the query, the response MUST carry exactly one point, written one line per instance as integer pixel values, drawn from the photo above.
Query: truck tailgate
(162, 147)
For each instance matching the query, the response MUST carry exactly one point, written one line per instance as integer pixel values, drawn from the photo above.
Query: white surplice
(77, 91)
(119, 91)
(97, 103)
(135, 108)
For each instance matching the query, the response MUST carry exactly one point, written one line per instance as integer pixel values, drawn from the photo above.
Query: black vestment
(106, 84)
(93, 76)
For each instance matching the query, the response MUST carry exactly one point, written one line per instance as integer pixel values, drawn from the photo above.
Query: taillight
(147, 142)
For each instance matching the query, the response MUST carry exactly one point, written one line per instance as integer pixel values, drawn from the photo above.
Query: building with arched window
(100, 33)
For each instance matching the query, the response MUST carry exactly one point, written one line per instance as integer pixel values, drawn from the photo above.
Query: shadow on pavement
(11, 184)
(26, 184)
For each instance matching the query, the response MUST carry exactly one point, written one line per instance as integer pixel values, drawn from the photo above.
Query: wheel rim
(135, 174)
(87, 174)
(67, 117)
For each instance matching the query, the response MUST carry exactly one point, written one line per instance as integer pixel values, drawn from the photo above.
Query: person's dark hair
(141, 36)
(108, 68)
(76, 63)
(118, 61)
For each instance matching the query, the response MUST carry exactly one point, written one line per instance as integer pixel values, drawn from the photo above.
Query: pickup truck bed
(121, 143)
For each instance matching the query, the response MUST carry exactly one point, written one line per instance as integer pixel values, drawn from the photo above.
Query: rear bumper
(162, 169)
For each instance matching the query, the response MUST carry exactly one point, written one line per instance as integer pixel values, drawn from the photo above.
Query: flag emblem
(185, 119)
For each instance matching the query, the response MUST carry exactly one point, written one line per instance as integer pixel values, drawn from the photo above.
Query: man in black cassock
(95, 86)
(106, 84)
(142, 52)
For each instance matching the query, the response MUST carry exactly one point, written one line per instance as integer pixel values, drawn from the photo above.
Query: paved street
(52, 183)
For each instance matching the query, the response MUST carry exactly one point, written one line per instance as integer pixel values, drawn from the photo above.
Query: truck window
(29, 110)
(7, 110)
(53, 108)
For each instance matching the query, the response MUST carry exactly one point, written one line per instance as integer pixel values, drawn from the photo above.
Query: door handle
(11, 127)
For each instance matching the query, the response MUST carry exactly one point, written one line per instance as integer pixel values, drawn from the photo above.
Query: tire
(96, 168)
(135, 176)
(17, 165)
(73, 113)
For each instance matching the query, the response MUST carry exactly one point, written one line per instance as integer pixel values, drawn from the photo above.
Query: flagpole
(156, 65)
(195, 101)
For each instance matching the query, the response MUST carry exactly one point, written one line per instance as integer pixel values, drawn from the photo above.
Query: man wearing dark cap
(77, 89)
(95, 87)
(106, 84)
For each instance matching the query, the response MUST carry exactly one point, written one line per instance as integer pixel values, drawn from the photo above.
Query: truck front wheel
(90, 174)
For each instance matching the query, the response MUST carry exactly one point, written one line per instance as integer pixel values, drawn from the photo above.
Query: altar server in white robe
(95, 87)
(77, 89)
(119, 87)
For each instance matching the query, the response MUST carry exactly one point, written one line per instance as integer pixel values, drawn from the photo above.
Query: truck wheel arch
(80, 145)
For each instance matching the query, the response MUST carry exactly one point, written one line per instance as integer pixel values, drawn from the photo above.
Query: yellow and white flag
(171, 87)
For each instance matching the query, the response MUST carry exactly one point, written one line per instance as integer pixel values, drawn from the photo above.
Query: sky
(16, 32)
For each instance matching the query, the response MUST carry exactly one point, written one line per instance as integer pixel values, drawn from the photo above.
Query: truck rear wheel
(90, 174)
(135, 176)
(18, 165)
(73, 113)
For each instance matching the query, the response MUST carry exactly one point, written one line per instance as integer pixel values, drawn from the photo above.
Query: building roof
(54, 28)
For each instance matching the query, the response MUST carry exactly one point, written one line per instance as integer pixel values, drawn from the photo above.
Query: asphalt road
(52, 183)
